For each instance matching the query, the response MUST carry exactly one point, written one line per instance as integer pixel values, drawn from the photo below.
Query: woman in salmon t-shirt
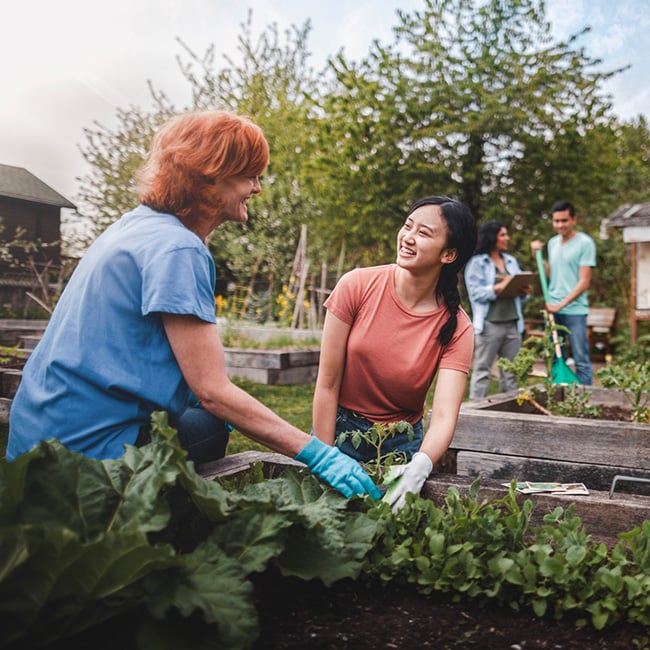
(390, 331)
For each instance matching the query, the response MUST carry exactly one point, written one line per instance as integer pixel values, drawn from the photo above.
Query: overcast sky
(69, 63)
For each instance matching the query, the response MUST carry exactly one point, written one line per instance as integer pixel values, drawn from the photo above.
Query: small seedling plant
(633, 380)
(376, 436)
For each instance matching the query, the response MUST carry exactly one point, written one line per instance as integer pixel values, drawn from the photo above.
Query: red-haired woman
(135, 329)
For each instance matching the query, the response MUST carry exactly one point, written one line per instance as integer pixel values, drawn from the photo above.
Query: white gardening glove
(401, 479)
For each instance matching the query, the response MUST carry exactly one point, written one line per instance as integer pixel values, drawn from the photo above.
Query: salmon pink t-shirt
(392, 353)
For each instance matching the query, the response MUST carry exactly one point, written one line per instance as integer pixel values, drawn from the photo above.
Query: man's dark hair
(561, 206)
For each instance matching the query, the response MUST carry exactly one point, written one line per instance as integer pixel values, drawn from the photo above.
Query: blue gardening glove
(334, 467)
(401, 479)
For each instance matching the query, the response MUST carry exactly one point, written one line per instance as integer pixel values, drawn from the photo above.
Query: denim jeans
(579, 344)
(347, 420)
(202, 435)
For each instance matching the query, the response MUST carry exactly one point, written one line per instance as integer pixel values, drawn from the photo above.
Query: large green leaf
(78, 544)
(52, 485)
(54, 585)
(213, 584)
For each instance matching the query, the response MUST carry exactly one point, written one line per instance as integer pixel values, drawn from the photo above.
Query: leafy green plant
(487, 550)
(376, 436)
(83, 541)
(11, 356)
(143, 538)
(576, 403)
(632, 379)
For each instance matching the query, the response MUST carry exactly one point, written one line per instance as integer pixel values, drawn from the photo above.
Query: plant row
(83, 542)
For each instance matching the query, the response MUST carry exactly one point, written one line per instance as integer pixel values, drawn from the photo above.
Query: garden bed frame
(497, 438)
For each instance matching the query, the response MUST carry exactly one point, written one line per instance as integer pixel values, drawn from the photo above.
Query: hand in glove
(401, 479)
(334, 467)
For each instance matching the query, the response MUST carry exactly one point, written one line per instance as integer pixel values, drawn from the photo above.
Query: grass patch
(293, 403)
(279, 342)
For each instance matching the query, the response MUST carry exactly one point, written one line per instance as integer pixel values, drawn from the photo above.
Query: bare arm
(199, 353)
(447, 398)
(584, 280)
(330, 374)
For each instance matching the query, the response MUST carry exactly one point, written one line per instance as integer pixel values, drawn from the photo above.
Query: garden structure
(296, 614)
(634, 220)
(142, 552)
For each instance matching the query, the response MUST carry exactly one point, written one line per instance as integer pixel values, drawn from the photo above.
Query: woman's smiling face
(232, 195)
(422, 240)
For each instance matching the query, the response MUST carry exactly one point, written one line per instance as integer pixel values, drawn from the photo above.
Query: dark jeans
(347, 420)
(200, 433)
(579, 341)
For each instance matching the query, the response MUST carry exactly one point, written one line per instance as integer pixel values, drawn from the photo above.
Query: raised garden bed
(12, 330)
(603, 517)
(356, 614)
(191, 569)
(500, 439)
(281, 367)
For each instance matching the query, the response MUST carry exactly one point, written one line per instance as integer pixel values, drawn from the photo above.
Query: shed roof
(630, 215)
(18, 183)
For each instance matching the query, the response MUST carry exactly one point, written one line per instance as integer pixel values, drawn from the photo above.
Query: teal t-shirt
(104, 363)
(565, 261)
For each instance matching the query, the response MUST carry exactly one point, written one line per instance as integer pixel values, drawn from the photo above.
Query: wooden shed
(32, 209)
(635, 222)
(27, 204)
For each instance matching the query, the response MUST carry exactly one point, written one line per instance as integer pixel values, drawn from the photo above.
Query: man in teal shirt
(571, 258)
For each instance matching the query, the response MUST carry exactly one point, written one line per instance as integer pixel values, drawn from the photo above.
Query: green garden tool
(560, 372)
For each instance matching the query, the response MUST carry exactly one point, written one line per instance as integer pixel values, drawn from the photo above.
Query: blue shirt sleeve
(180, 281)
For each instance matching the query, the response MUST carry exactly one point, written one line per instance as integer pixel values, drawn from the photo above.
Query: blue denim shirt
(480, 278)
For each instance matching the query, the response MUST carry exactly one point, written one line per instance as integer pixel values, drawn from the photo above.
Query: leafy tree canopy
(475, 99)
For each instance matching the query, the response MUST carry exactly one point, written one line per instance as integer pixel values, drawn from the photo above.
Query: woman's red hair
(192, 151)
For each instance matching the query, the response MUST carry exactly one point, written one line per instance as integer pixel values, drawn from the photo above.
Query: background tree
(272, 82)
(473, 99)
(462, 94)
(273, 85)
(114, 155)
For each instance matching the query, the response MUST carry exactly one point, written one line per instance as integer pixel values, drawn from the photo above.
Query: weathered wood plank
(601, 442)
(9, 380)
(244, 358)
(506, 468)
(237, 463)
(602, 517)
(11, 330)
(274, 377)
(5, 405)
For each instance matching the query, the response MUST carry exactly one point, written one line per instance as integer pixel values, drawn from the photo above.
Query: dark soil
(295, 614)
(617, 413)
